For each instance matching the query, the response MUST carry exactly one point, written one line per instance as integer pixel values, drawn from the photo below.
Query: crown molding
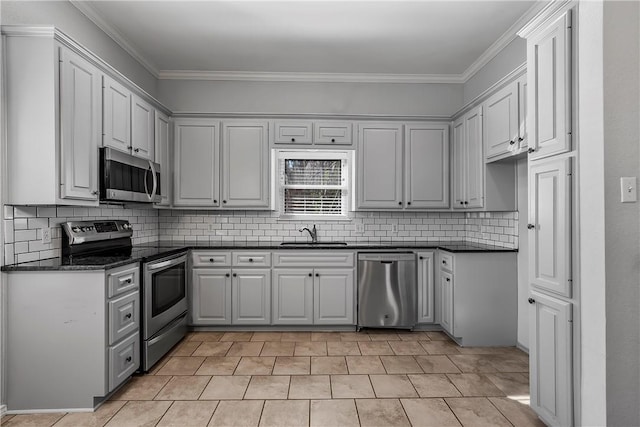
(502, 42)
(548, 12)
(311, 116)
(308, 77)
(88, 10)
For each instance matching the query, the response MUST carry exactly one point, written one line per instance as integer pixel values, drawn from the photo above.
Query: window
(313, 183)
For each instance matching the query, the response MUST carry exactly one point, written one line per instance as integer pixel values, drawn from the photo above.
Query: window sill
(298, 218)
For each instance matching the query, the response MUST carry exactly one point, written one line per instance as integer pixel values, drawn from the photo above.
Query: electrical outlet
(46, 235)
(394, 228)
(360, 228)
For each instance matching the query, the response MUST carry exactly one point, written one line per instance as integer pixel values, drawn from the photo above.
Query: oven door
(165, 293)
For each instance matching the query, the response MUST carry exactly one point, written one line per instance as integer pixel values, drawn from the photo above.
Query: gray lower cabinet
(292, 296)
(210, 296)
(333, 298)
(251, 296)
(550, 356)
(478, 297)
(85, 323)
(426, 312)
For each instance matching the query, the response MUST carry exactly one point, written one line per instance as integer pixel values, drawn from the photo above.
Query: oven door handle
(167, 263)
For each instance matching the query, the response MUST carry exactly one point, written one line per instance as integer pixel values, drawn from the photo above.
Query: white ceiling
(438, 39)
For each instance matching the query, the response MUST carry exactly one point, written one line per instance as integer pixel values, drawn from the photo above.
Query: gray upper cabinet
(142, 128)
(163, 155)
(426, 166)
(293, 132)
(332, 133)
(379, 166)
(80, 127)
(501, 126)
(116, 113)
(549, 80)
(245, 165)
(468, 164)
(196, 163)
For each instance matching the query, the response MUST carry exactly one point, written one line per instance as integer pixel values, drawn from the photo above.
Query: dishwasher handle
(387, 257)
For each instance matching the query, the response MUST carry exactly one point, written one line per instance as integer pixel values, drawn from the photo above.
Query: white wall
(507, 60)
(621, 59)
(300, 98)
(72, 22)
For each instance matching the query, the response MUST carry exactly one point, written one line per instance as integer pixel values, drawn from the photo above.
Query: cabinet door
(333, 290)
(459, 164)
(379, 168)
(211, 296)
(550, 226)
(294, 132)
(251, 296)
(332, 133)
(474, 182)
(425, 287)
(426, 166)
(550, 362)
(162, 156)
(523, 139)
(80, 127)
(197, 165)
(116, 112)
(292, 296)
(500, 114)
(142, 128)
(245, 165)
(446, 301)
(549, 75)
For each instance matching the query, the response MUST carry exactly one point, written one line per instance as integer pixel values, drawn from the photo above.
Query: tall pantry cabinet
(551, 294)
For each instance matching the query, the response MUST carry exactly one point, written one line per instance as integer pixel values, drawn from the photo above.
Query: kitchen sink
(313, 244)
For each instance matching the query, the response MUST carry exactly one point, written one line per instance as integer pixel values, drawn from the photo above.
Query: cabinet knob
(448, 279)
(211, 260)
(317, 275)
(227, 275)
(466, 203)
(444, 262)
(95, 193)
(400, 203)
(250, 259)
(127, 316)
(129, 147)
(128, 281)
(333, 140)
(310, 274)
(293, 140)
(128, 359)
(520, 139)
(215, 201)
(461, 202)
(531, 150)
(531, 226)
(408, 203)
(235, 275)
(137, 150)
(531, 301)
(512, 142)
(224, 201)
(421, 257)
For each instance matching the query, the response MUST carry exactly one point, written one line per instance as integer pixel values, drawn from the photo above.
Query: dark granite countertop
(153, 251)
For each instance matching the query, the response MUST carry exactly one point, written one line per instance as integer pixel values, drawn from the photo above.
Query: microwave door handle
(155, 180)
(146, 188)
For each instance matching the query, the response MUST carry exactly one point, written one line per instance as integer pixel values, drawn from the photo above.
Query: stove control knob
(76, 229)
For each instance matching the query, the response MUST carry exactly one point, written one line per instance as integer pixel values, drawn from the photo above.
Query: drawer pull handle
(250, 259)
(333, 140)
(128, 359)
(211, 260)
(293, 140)
(127, 316)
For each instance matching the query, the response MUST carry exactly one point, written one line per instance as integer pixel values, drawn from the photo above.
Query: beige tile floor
(371, 378)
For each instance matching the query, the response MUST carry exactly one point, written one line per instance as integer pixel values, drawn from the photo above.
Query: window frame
(278, 185)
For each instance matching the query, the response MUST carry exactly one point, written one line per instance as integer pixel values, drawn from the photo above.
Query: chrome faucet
(313, 233)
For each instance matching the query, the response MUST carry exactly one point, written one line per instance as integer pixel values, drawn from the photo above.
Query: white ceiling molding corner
(88, 11)
(309, 77)
(502, 42)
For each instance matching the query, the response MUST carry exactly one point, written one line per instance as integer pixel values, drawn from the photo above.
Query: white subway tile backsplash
(24, 212)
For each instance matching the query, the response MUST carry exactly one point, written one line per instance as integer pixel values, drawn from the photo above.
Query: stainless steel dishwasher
(387, 290)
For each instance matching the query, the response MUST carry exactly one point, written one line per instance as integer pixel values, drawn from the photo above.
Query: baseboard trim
(3, 410)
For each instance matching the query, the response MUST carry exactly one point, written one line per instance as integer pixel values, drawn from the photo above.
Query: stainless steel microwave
(126, 178)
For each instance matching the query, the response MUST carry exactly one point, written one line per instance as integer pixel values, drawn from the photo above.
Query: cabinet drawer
(313, 259)
(122, 280)
(124, 316)
(292, 133)
(251, 259)
(124, 360)
(210, 259)
(332, 133)
(446, 262)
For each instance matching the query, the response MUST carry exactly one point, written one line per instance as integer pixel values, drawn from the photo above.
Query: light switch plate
(628, 190)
